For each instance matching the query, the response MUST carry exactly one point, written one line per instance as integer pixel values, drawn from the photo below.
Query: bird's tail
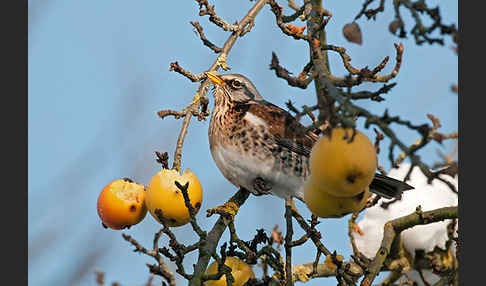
(388, 187)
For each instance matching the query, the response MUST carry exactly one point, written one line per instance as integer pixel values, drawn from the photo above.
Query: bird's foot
(261, 187)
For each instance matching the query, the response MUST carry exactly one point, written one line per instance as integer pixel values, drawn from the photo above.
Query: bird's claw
(261, 187)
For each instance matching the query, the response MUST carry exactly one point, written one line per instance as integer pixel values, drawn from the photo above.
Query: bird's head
(233, 88)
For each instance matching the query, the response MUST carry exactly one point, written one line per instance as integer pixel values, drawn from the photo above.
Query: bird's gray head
(234, 88)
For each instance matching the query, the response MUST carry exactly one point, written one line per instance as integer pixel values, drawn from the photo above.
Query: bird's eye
(236, 83)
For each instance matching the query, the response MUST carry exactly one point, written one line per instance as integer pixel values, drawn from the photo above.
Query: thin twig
(365, 74)
(278, 12)
(314, 235)
(205, 41)
(283, 73)
(180, 142)
(192, 212)
(288, 241)
(161, 269)
(178, 69)
(213, 17)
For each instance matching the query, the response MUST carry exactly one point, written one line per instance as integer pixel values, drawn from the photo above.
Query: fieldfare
(263, 148)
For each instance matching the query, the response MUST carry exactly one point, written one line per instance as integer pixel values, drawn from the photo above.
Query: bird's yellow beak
(215, 78)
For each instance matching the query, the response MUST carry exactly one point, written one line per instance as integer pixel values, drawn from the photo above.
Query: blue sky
(98, 73)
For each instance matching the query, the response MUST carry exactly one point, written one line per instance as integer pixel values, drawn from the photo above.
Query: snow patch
(426, 237)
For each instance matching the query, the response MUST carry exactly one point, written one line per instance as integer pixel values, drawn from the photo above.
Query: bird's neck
(226, 117)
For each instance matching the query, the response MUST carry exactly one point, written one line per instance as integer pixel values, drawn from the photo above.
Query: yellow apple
(240, 271)
(163, 194)
(121, 204)
(342, 168)
(321, 203)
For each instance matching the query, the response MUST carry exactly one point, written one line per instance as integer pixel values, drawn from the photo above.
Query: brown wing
(290, 134)
(287, 131)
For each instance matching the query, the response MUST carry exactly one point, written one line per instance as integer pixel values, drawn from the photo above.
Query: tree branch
(393, 229)
(213, 238)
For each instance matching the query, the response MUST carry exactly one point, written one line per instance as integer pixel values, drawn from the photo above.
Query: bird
(261, 147)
